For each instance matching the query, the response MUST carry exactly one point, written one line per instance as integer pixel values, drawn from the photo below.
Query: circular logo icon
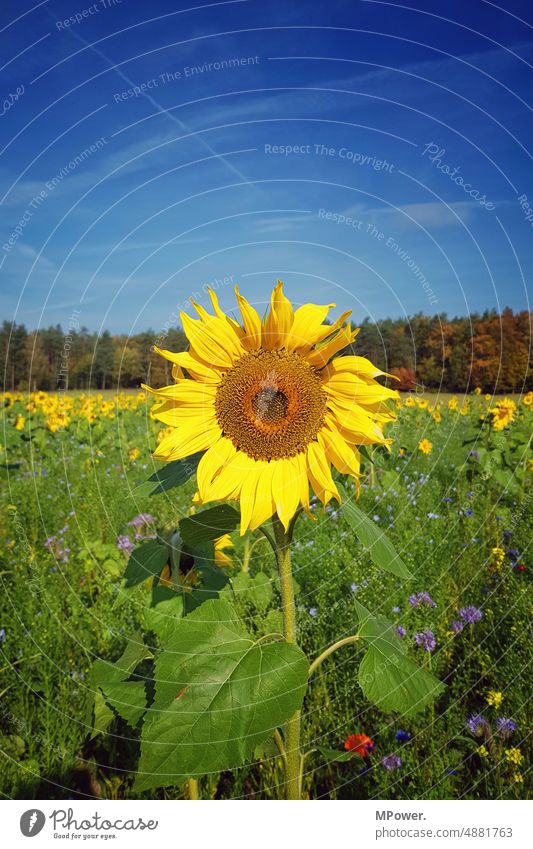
(32, 822)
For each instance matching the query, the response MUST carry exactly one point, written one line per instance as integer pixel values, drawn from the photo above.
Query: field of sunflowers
(453, 495)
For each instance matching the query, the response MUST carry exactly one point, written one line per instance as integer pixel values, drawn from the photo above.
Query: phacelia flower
(505, 727)
(359, 744)
(426, 640)
(421, 598)
(391, 762)
(401, 631)
(124, 543)
(470, 614)
(478, 725)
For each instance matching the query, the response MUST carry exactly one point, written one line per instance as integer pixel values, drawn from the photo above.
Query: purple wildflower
(505, 727)
(457, 626)
(313, 611)
(469, 512)
(391, 762)
(124, 543)
(478, 725)
(426, 640)
(401, 631)
(141, 519)
(470, 614)
(421, 598)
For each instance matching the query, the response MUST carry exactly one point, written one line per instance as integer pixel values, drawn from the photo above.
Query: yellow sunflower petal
(286, 489)
(214, 459)
(358, 365)
(214, 341)
(349, 388)
(197, 368)
(308, 328)
(186, 441)
(343, 337)
(279, 320)
(252, 323)
(345, 459)
(320, 473)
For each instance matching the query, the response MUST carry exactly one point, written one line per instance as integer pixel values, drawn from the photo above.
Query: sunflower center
(271, 404)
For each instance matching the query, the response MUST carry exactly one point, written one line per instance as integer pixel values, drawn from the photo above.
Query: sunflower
(271, 406)
(503, 413)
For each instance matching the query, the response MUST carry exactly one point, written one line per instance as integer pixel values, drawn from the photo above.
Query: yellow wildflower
(425, 446)
(494, 698)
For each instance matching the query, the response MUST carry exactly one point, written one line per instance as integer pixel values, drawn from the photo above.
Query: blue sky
(370, 154)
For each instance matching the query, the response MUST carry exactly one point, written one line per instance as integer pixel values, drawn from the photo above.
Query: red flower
(359, 744)
(521, 568)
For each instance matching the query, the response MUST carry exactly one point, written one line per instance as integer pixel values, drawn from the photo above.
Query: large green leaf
(145, 561)
(218, 695)
(372, 537)
(209, 524)
(378, 631)
(175, 473)
(396, 683)
(128, 698)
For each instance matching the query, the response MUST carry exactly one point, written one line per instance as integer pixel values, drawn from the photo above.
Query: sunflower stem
(292, 728)
(192, 789)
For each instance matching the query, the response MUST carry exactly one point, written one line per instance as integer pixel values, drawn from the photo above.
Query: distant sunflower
(271, 406)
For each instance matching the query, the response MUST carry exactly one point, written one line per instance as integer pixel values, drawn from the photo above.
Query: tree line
(491, 350)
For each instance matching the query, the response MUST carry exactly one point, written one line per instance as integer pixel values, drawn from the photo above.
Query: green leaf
(396, 683)
(145, 561)
(165, 609)
(175, 473)
(209, 524)
(218, 695)
(334, 755)
(378, 631)
(128, 698)
(103, 715)
(372, 537)
(256, 591)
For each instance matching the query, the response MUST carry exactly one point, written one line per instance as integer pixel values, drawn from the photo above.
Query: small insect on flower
(391, 762)
(494, 698)
(425, 446)
(359, 744)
